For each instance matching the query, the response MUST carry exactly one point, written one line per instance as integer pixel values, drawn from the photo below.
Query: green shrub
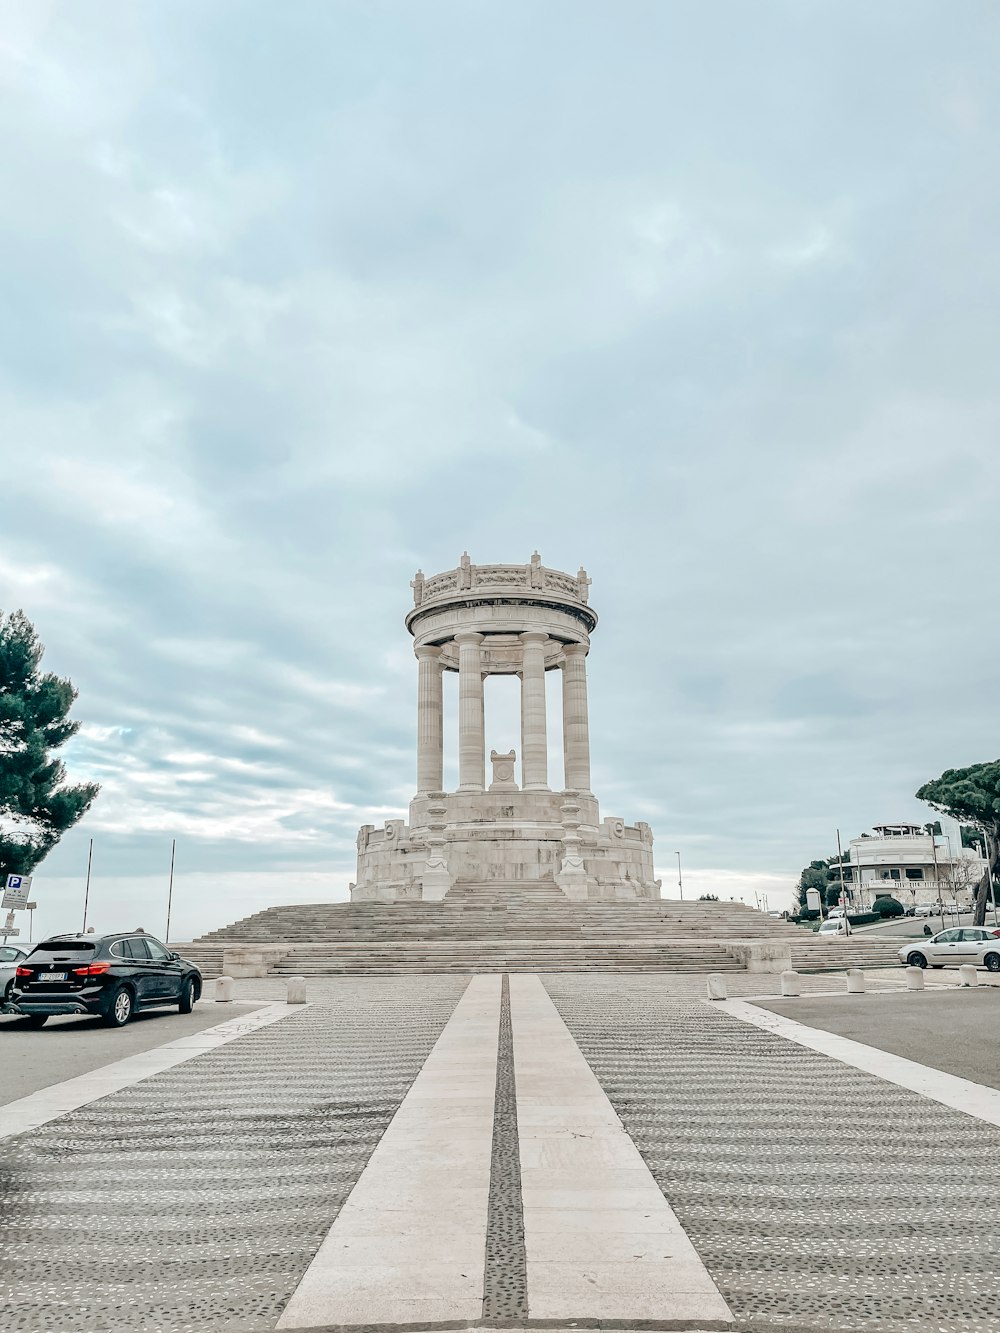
(887, 906)
(863, 918)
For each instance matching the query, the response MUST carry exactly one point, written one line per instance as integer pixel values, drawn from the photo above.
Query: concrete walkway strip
(409, 1245)
(49, 1103)
(959, 1093)
(602, 1242)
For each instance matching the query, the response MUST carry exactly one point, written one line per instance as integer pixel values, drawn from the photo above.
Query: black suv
(110, 976)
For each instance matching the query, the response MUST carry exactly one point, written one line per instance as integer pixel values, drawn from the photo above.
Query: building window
(914, 874)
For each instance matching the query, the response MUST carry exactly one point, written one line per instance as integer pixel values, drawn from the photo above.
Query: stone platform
(517, 927)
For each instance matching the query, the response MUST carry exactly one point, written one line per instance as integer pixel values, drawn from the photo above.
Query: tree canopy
(971, 795)
(36, 805)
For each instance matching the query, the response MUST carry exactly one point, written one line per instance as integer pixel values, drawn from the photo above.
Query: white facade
(913, 866)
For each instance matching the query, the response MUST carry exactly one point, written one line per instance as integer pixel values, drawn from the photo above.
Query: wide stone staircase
(519, 927)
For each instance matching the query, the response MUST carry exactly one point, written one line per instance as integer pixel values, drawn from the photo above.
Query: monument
(490, 620)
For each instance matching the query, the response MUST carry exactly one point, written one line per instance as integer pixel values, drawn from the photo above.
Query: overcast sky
(297, 297)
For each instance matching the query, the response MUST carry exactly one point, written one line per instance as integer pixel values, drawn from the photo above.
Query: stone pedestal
(436, 880)
(572, 876)
(503, 771)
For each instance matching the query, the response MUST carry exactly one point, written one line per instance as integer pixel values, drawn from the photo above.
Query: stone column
(471, 731)
(534, 747)
(430, 712)
(576, 729)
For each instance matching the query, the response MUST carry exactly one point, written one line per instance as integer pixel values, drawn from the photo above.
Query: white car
(835, 912)
(10, 956)
(978, 945)
(835, 925)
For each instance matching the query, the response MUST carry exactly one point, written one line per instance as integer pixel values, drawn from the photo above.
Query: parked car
(835, 925)
(835, 912)
(109, 976)
(978, 945)
(926, 909)
(10, 956)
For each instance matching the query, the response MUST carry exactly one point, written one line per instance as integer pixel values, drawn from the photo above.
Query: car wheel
(186, 1002)
(992, 961)
(8, 991)
(916, 960)
(121, 1008)
(36, 1020)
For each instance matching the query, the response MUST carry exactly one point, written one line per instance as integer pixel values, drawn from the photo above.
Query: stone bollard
(717, 986)
(791, 983)
(296, 990)
(855, 981)
(223, 989)
(914, 978)
(968, 976)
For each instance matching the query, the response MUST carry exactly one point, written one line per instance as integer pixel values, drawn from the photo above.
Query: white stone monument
(491, 620)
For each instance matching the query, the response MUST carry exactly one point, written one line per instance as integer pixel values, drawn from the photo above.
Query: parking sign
(16, 891)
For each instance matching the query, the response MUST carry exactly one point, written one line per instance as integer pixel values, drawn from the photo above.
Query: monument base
(456, 838)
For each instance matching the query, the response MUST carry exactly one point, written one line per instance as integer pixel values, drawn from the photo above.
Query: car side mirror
(174, 957)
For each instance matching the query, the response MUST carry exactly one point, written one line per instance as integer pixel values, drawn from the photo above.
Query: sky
(299, 297)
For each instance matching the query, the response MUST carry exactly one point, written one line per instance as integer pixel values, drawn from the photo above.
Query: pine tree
(36, 806)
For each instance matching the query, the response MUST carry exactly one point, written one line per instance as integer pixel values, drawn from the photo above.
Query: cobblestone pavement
(781, 1165)
(196, 1199)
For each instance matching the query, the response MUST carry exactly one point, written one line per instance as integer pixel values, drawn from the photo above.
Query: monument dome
(487, 620)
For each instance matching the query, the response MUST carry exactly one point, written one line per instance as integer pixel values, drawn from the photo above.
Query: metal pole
(937, 874)
(170, 891)
(840, 867)
(680, 880)
(86, 892)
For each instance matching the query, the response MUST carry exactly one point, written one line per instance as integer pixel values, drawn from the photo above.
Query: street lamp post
(680, 878)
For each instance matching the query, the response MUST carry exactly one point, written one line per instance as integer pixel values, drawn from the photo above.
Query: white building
(907, 862)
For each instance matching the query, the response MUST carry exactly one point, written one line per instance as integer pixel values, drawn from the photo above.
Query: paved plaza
(557, 1150)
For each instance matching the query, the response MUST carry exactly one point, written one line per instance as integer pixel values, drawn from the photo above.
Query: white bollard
(791, 983)
(855, 981)
(717, 986)
(223, 990)
(296, 990)
(968, 976)
(914, 978)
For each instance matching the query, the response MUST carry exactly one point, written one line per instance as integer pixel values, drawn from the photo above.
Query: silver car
(978, 945)
(10, 956)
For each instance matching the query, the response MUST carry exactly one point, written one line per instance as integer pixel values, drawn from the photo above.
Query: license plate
(52, 976)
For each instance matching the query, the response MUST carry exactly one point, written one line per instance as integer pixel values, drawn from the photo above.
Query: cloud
(284, 320)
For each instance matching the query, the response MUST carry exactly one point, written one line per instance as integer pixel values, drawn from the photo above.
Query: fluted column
(576, 728)
(534, 746)
(471, 731)
(430, 714)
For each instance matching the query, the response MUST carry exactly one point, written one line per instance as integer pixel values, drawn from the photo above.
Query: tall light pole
(86, 891)
(170, 890)
(680, 878)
